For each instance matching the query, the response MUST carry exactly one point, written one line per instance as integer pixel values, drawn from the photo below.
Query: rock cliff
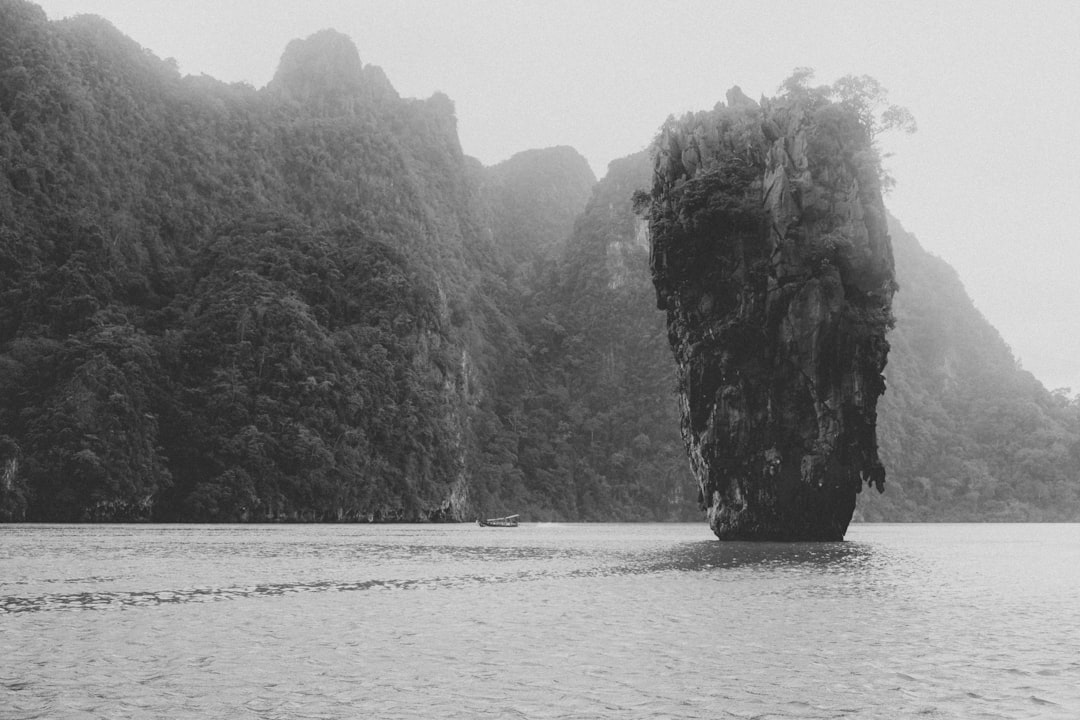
(770, 254)
(324, 74)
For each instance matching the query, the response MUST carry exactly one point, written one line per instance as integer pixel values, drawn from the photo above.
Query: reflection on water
(502, 564)
(542, 621)
(710, 554)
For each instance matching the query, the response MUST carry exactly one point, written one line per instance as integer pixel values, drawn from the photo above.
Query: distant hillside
(584, 421)
(535, 196)
(965, 433)
(601, 438)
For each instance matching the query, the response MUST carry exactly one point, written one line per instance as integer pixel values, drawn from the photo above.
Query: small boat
(508, 521)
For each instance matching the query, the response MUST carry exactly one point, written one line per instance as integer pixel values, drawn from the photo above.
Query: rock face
(770, 254)
(324, 74)
(535, 197)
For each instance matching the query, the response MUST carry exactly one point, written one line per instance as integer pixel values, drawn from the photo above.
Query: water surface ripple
(542, 621)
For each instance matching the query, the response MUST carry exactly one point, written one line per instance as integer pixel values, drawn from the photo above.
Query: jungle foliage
(296, 303)
(965, 433)
(228, 304)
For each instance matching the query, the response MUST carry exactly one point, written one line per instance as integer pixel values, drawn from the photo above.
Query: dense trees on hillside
(307, 375)
(965, 433)
(296, 303)
(224, 304)
(595, 420)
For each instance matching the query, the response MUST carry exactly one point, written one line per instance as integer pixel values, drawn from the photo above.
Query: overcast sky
(989, 183)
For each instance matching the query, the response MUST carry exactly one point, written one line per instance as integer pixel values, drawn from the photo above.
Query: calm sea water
(542, 621)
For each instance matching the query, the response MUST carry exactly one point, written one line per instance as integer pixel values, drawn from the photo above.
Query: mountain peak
(325, 68)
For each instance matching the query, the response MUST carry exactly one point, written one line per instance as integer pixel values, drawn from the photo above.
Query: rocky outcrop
(770, 254)
(12, 489)
(323, 73)
(534, 199)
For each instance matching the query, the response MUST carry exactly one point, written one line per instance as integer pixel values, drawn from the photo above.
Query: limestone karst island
(771, 257)
(305, 303)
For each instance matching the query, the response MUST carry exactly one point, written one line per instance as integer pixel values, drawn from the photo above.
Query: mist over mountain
(604, 415)
(305, 303)
(535, 197)
(965, 432)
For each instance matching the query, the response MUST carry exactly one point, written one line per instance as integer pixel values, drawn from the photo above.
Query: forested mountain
(965, 433)
(534, 198)
(304, 302)
(221, 303)
(296, 303)
(597, 425)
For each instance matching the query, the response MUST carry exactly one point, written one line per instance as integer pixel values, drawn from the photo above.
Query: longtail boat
(508, 521)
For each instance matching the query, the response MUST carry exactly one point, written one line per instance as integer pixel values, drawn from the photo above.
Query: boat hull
(510, 521)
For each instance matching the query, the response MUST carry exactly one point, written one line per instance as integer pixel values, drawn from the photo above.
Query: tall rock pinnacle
(771, 257)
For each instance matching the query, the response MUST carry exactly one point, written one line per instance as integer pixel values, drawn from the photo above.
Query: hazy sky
(989, 183)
